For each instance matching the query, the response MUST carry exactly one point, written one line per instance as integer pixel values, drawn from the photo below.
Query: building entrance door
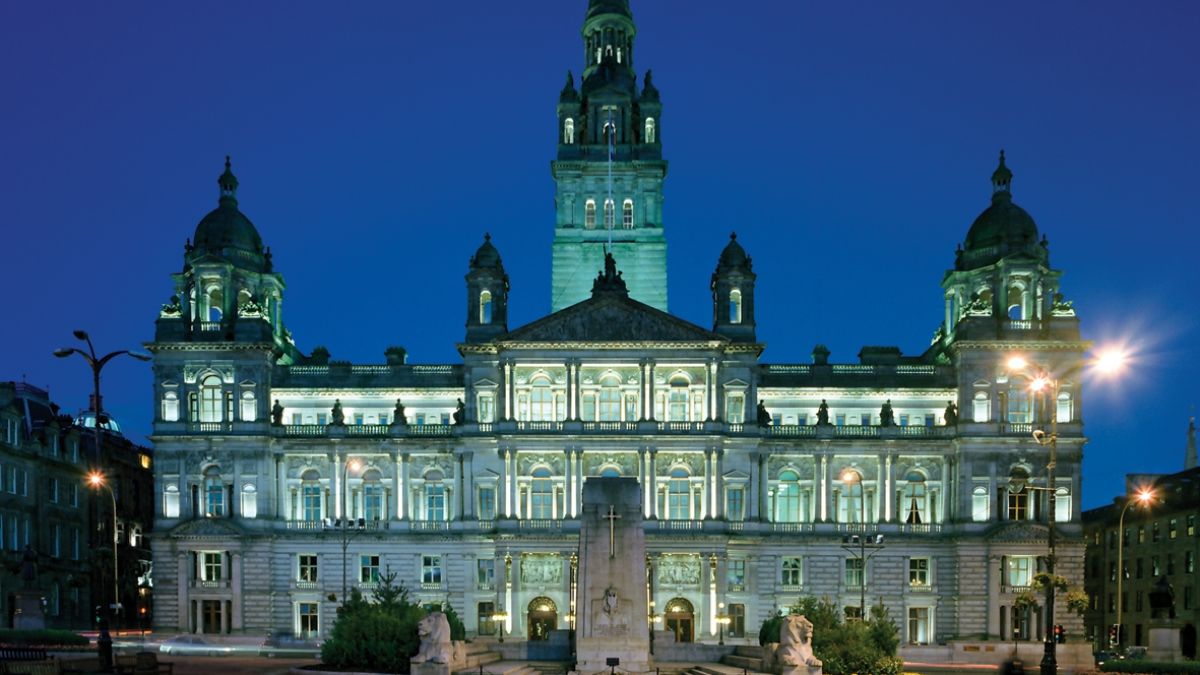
(210, 616)
(542, 618)
(680, 620)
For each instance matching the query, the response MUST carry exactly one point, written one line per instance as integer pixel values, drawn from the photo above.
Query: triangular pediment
(611, 317)
(1018, 532)
(206, 527)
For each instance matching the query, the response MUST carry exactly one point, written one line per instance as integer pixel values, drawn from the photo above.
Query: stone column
(647, 409)
(823, 477)
(281, 491)
(512, 483)
(339, 467)
(183, 580)
(571, 411)
(404, 504)
(653, 481)
(719, 484)
(236, 621)
(504, 507)
(889, 479)
(506, 376)
(650, 397)
(762, 482)
(710, 491)
(752, 496)
(568, 485)
(397, 488)
(468, 488)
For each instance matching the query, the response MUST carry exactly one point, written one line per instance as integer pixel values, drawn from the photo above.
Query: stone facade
(285, 478)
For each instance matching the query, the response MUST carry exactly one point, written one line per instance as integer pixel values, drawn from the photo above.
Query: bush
(863, 647)
(42, 638)
(1153, 667)
(376, 636)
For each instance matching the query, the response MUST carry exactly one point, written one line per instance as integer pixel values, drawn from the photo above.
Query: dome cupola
(226, 231)
(1003, 222)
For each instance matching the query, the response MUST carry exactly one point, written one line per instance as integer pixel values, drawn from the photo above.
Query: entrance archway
(1187, 641)
(680, 619)
(542, 618)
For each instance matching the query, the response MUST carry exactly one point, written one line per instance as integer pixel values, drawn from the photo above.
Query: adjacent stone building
(1158, 541)
(285, 478)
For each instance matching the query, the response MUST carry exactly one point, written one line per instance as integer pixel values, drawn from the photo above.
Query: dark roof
(601, 7)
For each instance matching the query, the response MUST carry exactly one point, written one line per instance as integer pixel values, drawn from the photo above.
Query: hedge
(1153, 667)
(42, 638)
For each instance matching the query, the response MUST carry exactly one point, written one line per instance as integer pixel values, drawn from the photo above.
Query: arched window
(1064, 411)
(541, 401)
(569, 131)
(589, 214)
(650, 129)
(609, 214)
(735, 306)
(171, 501)
(679, 493)
(914, 499)
(678, 400)
(170, 407)
(982, 411)
(372, 491)
(980, 504)
(610, 399)
(1062, 505)
(249, 506)
(214, 494)
(541, 495)
(1019, 402)
(215, 300)
(249, 406)
(485, 307)
(435, 496)
(787, 498)
(851, 506)
(210, 399)
(310, 496)
(627, 214)
(610, 472)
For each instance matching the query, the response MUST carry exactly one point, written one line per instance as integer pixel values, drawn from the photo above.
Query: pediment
(736, 475)
(611, 318)
(206, 527)
(1018, 532)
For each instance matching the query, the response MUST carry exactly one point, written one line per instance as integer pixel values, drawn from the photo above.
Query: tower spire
(228, 183)
(1189, 459)
(1002, 178)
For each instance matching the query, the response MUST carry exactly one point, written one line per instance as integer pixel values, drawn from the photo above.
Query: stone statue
(460, 413)
(887, 417)
(398, 416)
(172, 309)
(610, 601)
(339, 417)
(276, 414)
(764, 416)
(434, 632)
(1162, 600)
(795, 645)
(823, 414)
(951, 414)
(29, 568)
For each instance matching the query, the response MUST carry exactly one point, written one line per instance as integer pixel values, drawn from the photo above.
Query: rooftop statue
(823, 414)
(951, 414)
(764, 416)
(398, 416)
(887, 417)
(339, 417)
(277, 414)
(460, 413)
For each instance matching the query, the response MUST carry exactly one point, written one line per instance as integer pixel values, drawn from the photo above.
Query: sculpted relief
(679, 570)
(541, 569)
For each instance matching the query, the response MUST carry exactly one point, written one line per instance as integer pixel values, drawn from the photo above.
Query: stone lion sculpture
(795, 643)
(434, 631)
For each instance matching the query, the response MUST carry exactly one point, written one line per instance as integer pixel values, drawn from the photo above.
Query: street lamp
(1107, 362)
(722, 621)
(97, 363)
(850, 476)
(1143, 498)
(500, 618)
(96, 480)
(355, 465)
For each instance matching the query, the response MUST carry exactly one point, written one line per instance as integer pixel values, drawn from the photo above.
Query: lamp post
(350, 464)
(722, 620)
(500, 617)
(850, 476)
(97, 363)
(1142, 498)
(96, 480)
(1110, 361)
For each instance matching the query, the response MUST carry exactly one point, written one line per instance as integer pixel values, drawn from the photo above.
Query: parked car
(192, 645)
(287, 644)
(1106, 655)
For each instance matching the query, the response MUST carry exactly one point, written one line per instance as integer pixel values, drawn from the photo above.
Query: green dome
(601, 7)
(486, 256)
(226, 227)
(1002, 223)
(734, 256)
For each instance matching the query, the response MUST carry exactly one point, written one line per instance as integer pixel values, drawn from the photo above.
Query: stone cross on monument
(612, 620)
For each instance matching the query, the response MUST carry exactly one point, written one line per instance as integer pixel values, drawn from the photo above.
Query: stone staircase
(744, 657)
(478, 654)
(721, 669)
(495, 667)
(550, 667)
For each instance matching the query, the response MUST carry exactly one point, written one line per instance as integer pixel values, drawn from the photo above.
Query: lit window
(306, 567)
(249, 501)
(249, 407)
(1020, 570)
(431, 569)
(435, 496)
(589, 214)
(792, 572)
(310, 496)
(171, 501)
(214, 494)
(1062, 505)
(980, 511)
(373, 502)
(627, 214)
(735, 306)
(1064, 410)
(210, 399)
(609, 214)
(541, 495)
(854, 572)
(308, 619)
(368, 569)
(485, 307)
(650, 129)
(568, 131)
(787, 498)
(982, 411)
(541, 401)
(677, 412)
(210, 568)
(679, 496)
(170, 407)
(610, 399)
(918, 572)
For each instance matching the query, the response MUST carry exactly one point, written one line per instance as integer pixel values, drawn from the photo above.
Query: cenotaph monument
(612, 621)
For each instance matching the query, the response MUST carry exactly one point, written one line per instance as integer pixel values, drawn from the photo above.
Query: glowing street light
(1143, 498)
(350, 465)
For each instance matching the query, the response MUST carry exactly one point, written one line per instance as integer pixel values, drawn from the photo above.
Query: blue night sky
(850, 145)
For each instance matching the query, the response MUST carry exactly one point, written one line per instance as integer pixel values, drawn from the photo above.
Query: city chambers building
(284, 479)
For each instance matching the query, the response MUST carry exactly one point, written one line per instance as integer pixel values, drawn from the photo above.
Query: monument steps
(550, 667)
(750, 663)
(722, 669)
(500, 668)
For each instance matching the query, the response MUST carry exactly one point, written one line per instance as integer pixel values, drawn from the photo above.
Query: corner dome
(486, 256)
(1003, 222)
(601, 7)
(226, 227)
(734, 256)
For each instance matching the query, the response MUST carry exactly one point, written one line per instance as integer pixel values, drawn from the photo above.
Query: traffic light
(1060, 633)
(1113, 634)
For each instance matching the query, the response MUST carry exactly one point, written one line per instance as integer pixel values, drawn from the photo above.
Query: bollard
(104, 647)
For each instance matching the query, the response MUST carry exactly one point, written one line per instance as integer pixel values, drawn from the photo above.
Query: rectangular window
(918, 572)
(930, 418)
(1155, 569)
(735, 575)
(735, 506)
(431, 570)
(368, 569)
(210, 565)
(1139, 566)
(980, 504)
(56, 541)
(1021, 570)
(792, 572)
(1170, 564)
(737, 620)
(52, 490)
(487, 408)
(170, 502)
(735, 408)
(854, 572)
(485, 574)
(1173, 528)
(1155, 536)
(322, 419)
(487, 503)
(918, 625)
(866, 419)
(306, 568)
(308, 615)
(1141, 534)
(903, 419)
(840, 419)
(75, 544)
(485, 611)
(1018, 506)
(74, 493)
(297, 419)
(1189, 562)
(358, 419)
(1191, 526)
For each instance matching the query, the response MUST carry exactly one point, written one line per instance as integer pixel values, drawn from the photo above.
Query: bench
(142, 663)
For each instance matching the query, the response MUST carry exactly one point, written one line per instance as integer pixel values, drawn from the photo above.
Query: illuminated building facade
(264, 453)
